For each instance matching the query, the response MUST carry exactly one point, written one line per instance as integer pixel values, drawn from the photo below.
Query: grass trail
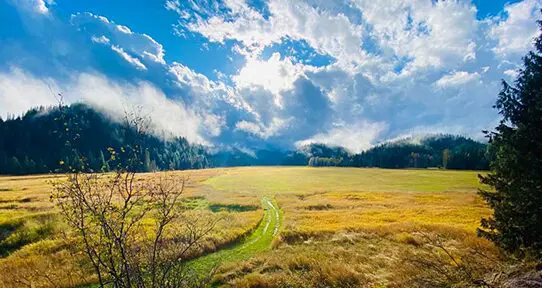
(259, 241)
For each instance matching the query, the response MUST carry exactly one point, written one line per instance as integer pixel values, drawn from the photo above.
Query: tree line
(440, 151)
(30, 144)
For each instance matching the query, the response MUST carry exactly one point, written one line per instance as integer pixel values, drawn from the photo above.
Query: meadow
(336, 227)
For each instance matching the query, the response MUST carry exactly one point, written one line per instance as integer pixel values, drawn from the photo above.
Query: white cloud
(132, 60)
(331, 34)
(124, 29)
(139, 44)
(274, 74)
(425, 33)
(263, 132)
(204, 91)
(511, 73)
(188, 77)
(36, 6)
(20, 91)
(213, 124)
(251, 128)
(411, 64)
(174, 5)
(418, 133)
(41, 7)
(516, 30)
(355, 137)
(101, 40)
(457, 79)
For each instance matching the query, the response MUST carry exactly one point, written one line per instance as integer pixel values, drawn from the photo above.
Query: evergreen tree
(516, 175)
(147, 161)
(104, 164)
(15, 166)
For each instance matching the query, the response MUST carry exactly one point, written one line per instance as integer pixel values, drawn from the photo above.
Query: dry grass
(329, 200)
(342, 227)
(348, 227)
(36, 250)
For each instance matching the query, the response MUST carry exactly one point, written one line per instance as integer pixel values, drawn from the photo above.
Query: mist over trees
(30, 144)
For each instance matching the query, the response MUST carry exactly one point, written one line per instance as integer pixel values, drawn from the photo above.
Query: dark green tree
(516, 176)
(15, 165)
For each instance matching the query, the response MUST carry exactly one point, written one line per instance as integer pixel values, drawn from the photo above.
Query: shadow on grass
(216, 207)
(18, 233)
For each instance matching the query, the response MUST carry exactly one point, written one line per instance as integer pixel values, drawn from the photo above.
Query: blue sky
(262, 73)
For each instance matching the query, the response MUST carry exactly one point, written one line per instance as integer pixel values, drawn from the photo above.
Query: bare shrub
(134, 231)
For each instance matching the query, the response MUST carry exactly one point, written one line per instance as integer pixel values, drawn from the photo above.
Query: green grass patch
(257, 242)
(195, 202)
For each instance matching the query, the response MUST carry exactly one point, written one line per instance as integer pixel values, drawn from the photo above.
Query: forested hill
(35, 143)
(443, 151)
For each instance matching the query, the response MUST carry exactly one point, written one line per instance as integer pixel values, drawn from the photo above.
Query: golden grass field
(341, 227)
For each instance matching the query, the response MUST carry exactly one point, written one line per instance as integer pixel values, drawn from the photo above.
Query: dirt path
(259, 241)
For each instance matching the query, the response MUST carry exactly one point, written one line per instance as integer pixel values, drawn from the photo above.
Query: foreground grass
(37, 250)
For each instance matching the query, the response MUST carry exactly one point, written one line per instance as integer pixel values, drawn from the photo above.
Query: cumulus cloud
(140, 44)
(329, 34)
(423, 33)
(169, 117)
(102, 39)
(41, 6)
(130, 59)
(36, 6)
(261, 131)
(457, 78)
(516, 30)
(205, 93)
(279, 74)
(391, 63)
(513, 74)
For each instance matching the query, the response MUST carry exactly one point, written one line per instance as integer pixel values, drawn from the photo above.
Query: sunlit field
(337, 227)
(347, 227)
(35, 245)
